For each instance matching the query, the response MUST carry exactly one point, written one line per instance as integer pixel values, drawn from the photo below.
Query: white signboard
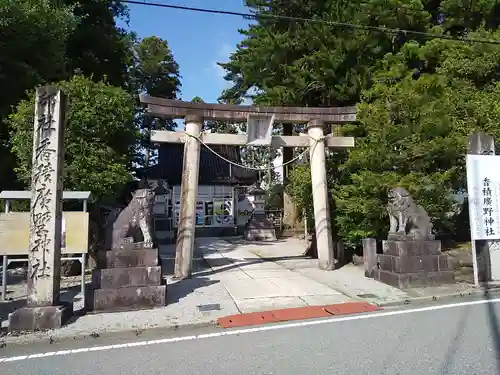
(483, 188)
(259, 129)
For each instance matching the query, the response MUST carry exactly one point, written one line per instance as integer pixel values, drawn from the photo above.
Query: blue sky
(197, 40)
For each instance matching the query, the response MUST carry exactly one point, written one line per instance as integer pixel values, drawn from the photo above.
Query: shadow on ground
(68, 295)
(181, 288)
(201, 267)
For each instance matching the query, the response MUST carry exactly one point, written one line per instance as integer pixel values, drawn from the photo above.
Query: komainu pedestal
(411, 257)
(129, 278)
(413, 263)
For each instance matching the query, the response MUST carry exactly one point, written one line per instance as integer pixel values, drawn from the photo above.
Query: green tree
(415, 130)
(97, 47)
(48, 41)
(413, 133)
(156, 73)
(315, 64)
(33, 38)
(100, 137)
(420, 98)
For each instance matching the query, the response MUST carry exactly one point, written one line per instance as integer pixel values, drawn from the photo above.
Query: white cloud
(224, 51)
(247, 101)
(218, 70)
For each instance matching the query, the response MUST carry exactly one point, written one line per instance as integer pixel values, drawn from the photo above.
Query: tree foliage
(97, 47)
(33, 40)
(315, 64)
(413, 132)
(78, 43)
(419, 97)
(100, 136)
(154, 72)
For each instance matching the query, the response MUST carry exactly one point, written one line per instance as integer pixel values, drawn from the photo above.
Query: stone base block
(260, 234)
(40, 318)
(417, 279)
(129, 244)
(130, 298)
(260, 222)
(411, 248)
(125, 258)
(422, 263)
(113, 278)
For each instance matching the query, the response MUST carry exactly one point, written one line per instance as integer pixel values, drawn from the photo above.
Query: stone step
(112, 278)
(417, 279)
(124, 258)
(129, 298)
(411, 248)
(429, 263)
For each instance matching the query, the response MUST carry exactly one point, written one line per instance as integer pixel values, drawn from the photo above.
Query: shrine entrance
(259, 133)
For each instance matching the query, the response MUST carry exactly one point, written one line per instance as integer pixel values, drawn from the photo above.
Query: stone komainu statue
(407, 219)
(137, 215)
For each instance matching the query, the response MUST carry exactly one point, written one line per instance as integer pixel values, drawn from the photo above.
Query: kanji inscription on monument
(46, 206)
(483, 188)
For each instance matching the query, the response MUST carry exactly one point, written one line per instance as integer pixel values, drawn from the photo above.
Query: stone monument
(259, 227)
(411, 256)
(44, 309)
(129, 276)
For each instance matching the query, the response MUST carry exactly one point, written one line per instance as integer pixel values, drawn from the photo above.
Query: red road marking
(350, 308)
(249, 319)
(299, 313)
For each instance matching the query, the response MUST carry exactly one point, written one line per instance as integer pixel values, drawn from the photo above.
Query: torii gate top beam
(169, 108)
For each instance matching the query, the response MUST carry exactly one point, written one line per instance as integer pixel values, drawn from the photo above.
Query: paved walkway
(256, 284)
(349, 280)
(229, 277)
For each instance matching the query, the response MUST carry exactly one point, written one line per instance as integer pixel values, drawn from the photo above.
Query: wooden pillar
(324, 241)
(189, 190)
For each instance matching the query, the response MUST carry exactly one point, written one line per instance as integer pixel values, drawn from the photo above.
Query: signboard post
(483, 187)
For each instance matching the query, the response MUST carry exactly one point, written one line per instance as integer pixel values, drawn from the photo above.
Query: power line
(316, 21)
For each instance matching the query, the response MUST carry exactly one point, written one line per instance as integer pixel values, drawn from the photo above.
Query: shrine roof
(213, 169)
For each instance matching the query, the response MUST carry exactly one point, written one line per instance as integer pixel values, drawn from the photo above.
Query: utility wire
(315, 21)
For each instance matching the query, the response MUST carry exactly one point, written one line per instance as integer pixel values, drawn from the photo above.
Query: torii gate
(194, 115)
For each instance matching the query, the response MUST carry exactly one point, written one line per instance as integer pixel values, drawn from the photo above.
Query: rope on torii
(193, 138)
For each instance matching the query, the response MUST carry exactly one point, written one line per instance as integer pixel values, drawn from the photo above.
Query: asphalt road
(438, 339)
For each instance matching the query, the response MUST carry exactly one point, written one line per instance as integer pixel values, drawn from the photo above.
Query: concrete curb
(55, 337)
(51, 337)
(477, 291)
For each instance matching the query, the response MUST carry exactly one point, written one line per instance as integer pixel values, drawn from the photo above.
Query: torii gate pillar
(323, 228)
(195, 113)
(184, 248)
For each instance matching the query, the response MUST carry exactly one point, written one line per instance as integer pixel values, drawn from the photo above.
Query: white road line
(246, 330)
